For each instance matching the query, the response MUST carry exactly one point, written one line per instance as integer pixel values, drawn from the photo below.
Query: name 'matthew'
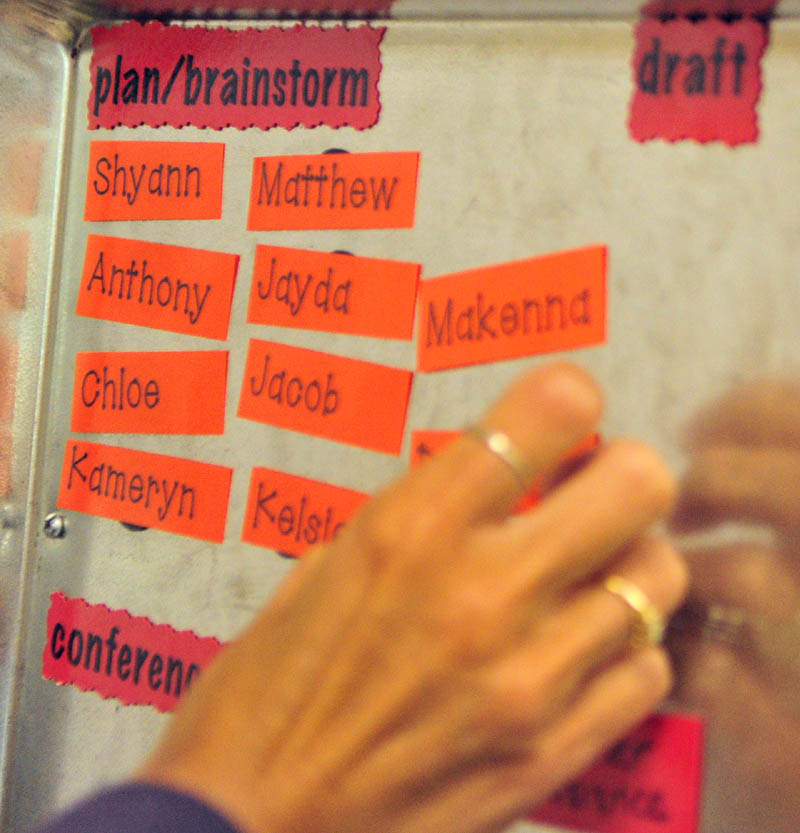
(334, 191)
(540, 305)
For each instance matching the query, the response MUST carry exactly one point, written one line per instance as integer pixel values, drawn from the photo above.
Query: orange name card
(150, 490)
(348, 400)
(150, 393)
(155, 181)
(156, 285)
(425, 444)
(336, 293)
(290, 514)
(334, 191)
(541, 305)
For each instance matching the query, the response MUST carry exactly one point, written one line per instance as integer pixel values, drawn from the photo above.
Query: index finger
(544, 414)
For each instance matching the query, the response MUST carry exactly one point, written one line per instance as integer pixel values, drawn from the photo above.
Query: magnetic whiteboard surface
(522, 130)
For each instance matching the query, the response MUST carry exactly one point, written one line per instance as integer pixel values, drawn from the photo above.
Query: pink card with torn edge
(119, 655)
(154, 75)
(697, 80)
(650, 782)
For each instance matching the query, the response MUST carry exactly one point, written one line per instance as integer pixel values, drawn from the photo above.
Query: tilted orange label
(425, 444)
(290, 514)
(348, 400)
(337, 293)
(156, 285)
(155, 181)
(150, 490)
(150, 393)
(334, 191)
(541, 305)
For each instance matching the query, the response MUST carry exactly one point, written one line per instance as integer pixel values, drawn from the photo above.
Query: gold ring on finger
(503, 447)
(648, 623)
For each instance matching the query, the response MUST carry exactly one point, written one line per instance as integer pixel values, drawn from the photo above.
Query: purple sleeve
(140, 808)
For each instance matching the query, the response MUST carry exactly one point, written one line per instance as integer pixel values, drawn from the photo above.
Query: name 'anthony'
(136, 285)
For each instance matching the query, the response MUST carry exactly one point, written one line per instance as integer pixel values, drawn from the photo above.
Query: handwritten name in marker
(650, 782)
(119, 655)
(333, 293)
(697, 80)
(541, 305)
(334, 191)
(347, 400)
(305, 75)
(150, 393)
(152, 490)
(290, 514)
(156, 285)
(155, 181)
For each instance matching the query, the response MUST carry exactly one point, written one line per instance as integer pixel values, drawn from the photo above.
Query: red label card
(540, 305)
(118, 655)
(149, 490)
(648, 783)
(155, 181)
(336, 293)
(425, 444)
(697, 80)
(290, 514)
(155, 285)
(150, 393)
(656, 8)
(293, 7)
(334, 191)
(215, 77)
(351, 401)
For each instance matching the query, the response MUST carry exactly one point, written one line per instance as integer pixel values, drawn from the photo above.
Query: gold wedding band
(502, 446)
(648, 623)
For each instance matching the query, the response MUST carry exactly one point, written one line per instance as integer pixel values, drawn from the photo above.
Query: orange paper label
(336, 293)
(150, 393)
(541, 305)
(425, 444)
(155, 285)
(290, 514)
(149, 490)
(155, 181)
(334, 191)
(351, 401)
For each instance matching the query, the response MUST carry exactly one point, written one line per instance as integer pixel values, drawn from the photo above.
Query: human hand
(441, 665)
(737, 641)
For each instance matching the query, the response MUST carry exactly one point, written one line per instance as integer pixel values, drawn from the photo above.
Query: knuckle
(470, 621)
(643, 472)
(383, 534)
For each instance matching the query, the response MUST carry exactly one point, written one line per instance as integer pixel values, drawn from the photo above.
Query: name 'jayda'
(292, 289)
